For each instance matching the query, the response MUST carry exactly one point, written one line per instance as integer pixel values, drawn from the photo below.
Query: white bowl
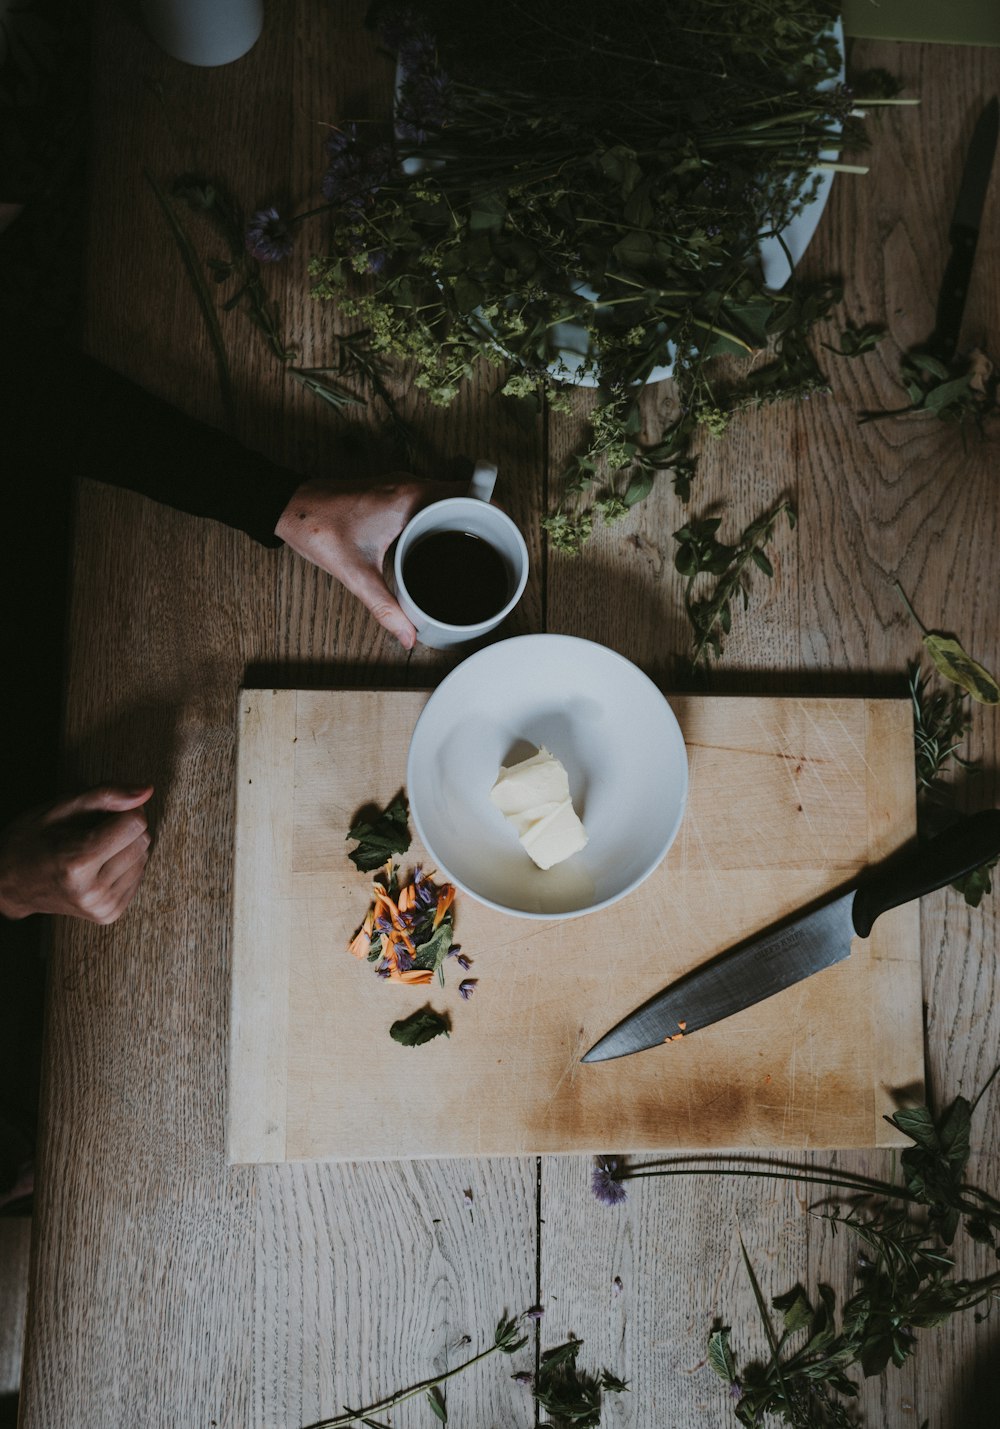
(596, 712)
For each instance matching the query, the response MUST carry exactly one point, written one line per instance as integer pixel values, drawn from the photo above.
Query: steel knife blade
(964, 232)
(813, 939)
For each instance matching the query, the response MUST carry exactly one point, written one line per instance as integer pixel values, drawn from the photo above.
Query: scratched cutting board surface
(788, 799)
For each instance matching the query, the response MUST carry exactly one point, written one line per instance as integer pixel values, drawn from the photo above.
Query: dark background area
(43, 113)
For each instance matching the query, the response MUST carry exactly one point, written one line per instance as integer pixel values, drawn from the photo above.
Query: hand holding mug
(460, 566)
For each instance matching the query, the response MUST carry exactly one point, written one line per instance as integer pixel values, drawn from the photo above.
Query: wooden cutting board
(788, 799)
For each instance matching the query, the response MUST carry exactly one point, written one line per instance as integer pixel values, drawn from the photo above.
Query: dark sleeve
(89, 421)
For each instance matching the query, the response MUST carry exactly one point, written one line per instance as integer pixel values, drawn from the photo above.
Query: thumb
(105, 798)
(373, 592)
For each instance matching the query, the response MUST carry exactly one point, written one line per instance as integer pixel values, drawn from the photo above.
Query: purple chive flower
(605, 1182)
(463, 962)
(383, 969)
(467, 1197)
(467, 988)
(522, 1377)
(535, 1313)
(268, 237)
(735, 1390)
(403, 960)
(356, 173)
(616, 1286)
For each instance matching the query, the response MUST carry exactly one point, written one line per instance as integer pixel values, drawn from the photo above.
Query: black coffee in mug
(456, 577)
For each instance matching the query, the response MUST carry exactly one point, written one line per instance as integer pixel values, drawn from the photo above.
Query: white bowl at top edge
(602, 718)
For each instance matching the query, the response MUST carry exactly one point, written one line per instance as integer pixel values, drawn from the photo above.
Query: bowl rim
(534, 915)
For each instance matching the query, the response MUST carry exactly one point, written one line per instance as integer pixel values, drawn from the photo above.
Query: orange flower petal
(413, 976)
(446, 898)
(360, 944)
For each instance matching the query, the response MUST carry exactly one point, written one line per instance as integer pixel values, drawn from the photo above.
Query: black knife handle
(953, 292)
(927, 866)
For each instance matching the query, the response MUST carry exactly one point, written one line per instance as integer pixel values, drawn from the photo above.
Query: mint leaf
(420, 1027)
(378, 840)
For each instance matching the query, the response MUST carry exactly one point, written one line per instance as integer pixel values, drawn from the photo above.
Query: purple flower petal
(535, 1313)
(467, 988)
(605, 1182)
(268, 237)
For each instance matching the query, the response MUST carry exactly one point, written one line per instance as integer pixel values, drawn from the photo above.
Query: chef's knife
(964, 233)
(796, 948)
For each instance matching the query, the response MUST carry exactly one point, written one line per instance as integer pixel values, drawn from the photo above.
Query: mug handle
(484, 479)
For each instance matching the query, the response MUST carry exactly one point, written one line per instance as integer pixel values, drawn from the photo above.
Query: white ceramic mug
(474, 516)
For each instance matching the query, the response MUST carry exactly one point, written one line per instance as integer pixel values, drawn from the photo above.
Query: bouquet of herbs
(557, 175)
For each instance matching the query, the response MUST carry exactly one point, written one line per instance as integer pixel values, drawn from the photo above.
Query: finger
(119, 896)
(105, 798)
(111, 835)
(136, 853)
(373, 592)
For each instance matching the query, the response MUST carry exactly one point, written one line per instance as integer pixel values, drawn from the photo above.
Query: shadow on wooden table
(979, 1404)
(138, 745)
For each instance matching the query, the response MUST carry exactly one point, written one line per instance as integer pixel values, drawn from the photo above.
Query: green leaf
(420, 1027)
(488, 213)
(432, 953)
(379, 839)
(436, 1400)
(955, 665)
(795, 1308)
(955, 1132)
(720, 1356)
(638, 488)
(917, 1123)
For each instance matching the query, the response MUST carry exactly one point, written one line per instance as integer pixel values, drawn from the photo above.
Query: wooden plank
(788, 800)
(262, 934)
(15, 1247)
(370, 1277)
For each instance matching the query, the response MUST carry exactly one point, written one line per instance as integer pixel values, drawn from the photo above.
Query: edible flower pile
(408, 932)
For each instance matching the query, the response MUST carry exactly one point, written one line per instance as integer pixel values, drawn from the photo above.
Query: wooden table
(169, 1289)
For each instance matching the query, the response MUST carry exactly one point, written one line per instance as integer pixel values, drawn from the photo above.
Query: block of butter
(534, 796)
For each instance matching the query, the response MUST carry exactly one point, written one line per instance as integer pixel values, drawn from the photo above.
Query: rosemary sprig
(700, 553)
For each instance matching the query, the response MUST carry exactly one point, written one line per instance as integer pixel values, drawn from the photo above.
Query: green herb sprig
(571, 1396)
(962, 390)
(700, 553)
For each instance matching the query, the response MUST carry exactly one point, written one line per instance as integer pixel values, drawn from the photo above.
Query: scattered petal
(467, 1197)
(467, 988)
(616, 1286)
(535, 1313)
(522, 1377)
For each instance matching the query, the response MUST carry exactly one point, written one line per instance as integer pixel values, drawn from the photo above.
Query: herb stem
(847, 1181)
(352, 1416)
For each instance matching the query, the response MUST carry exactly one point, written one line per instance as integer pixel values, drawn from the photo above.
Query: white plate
(602, 717)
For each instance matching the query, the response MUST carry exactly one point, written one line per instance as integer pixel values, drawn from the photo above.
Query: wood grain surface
(169, 1288)
(788, 800)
